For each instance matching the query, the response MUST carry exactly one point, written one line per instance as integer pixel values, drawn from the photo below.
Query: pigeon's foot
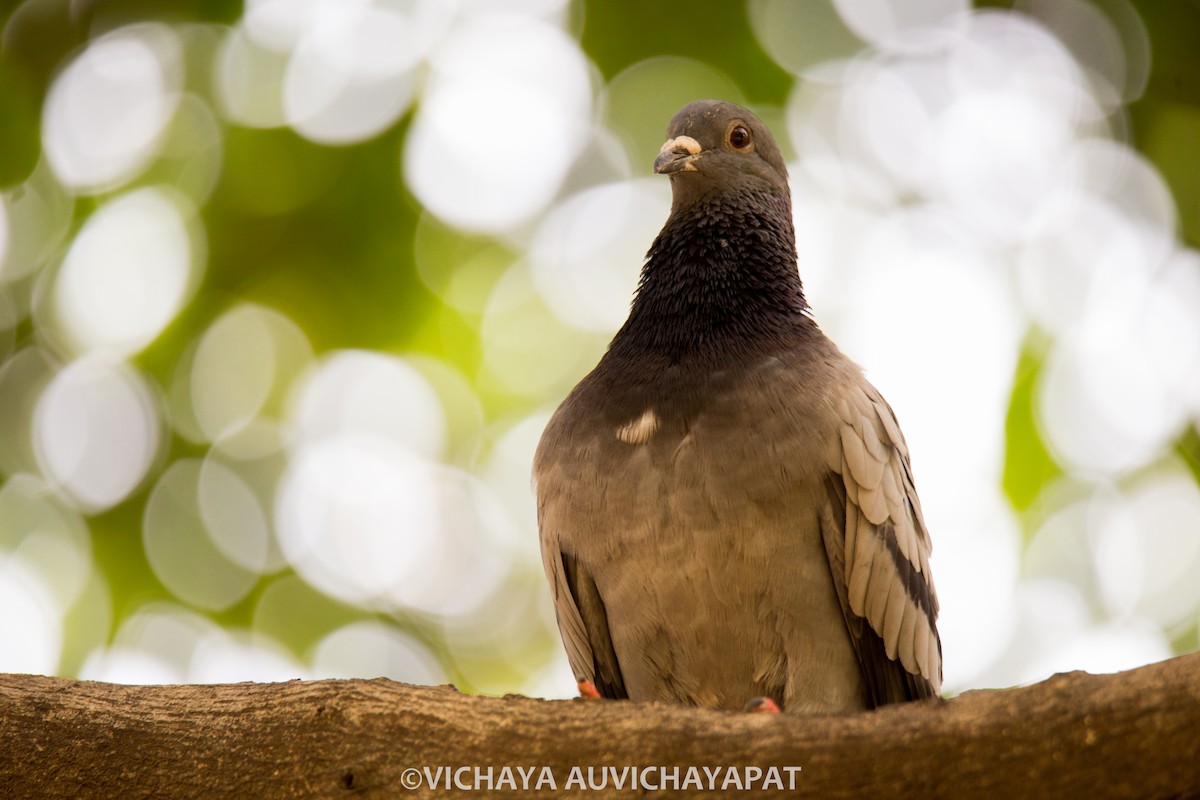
(761, 705)
(588, 689)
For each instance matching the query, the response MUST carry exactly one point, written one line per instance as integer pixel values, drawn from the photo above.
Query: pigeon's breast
(709, 452)
(699, 521)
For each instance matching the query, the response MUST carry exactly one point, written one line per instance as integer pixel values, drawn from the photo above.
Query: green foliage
(332, 237)
(1028, 465)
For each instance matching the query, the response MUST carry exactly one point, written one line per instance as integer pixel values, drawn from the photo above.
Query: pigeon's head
(714, 147)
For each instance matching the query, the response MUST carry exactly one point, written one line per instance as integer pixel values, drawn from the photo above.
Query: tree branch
(1135, 734)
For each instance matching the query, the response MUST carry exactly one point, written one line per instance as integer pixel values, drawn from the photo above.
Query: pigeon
(726, 507)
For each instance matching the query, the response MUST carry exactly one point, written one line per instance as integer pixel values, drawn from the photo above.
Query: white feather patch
(639, 430)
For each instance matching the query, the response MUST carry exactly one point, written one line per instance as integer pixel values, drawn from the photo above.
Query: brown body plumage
(725, 503)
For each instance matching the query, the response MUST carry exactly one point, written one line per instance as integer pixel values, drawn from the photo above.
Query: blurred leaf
(1169, 134)
(20, 144)
(87, 625)
(620, 33)
(324, 235)
(1028, 465)
(299, 616)
(1174, 29)
(1188, 448)
(38, 35)
(108, 14)
(120, 557)
(1186, 640)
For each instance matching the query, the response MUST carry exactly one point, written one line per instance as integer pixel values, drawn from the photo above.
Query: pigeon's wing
(582, 620)
(878, 551)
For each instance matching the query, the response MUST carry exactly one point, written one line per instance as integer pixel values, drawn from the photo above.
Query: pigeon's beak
(677, 155)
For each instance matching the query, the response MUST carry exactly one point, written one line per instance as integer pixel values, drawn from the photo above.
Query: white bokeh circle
(506, 111)
(588, 251)
(105, 114)
(128, 272)
(96, 431)
(199, 564)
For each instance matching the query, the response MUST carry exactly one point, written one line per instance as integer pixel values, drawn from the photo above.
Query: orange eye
(739, 137)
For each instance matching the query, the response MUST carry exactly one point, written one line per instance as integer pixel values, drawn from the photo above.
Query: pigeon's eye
(739, 137)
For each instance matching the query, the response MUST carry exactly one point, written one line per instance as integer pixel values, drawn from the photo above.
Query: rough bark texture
(1135, 734)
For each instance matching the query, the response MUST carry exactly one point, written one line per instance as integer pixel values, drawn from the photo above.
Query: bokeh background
(289, 288)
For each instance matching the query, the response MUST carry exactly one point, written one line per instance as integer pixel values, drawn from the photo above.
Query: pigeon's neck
(720, 278)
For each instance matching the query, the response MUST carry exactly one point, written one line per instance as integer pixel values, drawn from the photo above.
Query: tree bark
(1134, 734)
